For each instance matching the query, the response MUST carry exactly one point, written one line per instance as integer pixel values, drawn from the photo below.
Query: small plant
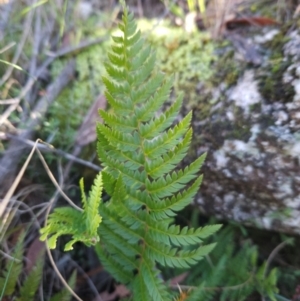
(81, 224)
(139, 152)
(10, 277)
(232, 273)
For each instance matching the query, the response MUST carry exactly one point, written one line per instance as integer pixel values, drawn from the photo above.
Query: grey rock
(252, 172)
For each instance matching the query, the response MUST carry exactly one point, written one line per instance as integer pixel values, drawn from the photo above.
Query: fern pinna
(140, 151)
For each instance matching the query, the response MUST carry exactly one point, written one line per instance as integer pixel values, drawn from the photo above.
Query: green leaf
(82, 226)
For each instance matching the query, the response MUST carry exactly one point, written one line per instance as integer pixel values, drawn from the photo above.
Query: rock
(252, 135)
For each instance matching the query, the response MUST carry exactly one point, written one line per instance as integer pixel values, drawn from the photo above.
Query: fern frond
(82, 226)
(140, 151)
(174, 182)
(167, 207)
(114, 267)
(12, 269)
(157, 125)
(32, 282)
(164, 164)
(167, 140)
(181, 237)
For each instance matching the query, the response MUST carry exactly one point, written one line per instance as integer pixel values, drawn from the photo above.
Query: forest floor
(51, 55)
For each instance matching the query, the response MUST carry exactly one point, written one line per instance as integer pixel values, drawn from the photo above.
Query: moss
(187, 55)
(227, 69)
(271, 85)
(271, 82)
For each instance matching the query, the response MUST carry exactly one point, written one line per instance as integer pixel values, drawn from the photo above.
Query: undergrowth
(15, 285)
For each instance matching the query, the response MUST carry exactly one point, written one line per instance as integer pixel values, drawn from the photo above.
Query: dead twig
(46, 148)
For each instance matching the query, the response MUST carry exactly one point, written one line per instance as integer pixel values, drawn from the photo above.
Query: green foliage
(32, 282)
(188, 55)
(231, 273)
(81, 225)
(11, 273)
(57, 129)
(140, 152)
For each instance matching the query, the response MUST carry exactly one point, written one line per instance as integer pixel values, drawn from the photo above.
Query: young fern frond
(82, 226)
(140, 153)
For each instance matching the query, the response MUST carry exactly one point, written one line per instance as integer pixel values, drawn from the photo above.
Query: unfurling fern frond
(140, 152)
(82, 226)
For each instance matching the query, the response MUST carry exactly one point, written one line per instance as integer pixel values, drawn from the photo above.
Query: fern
(32, 282)
(11, 274)
(231, 273)
(81, 225)
(140, 152)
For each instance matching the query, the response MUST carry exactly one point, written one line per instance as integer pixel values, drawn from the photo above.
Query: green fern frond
(140, 151)
(32, 281)
(181, 237)
(172, 257)
(10, 274)
(120, 274)
(151, 278)
(157, 125)
(168, 207)
(82, 226)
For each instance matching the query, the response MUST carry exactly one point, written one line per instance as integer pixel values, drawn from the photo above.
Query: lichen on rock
(252, 135)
